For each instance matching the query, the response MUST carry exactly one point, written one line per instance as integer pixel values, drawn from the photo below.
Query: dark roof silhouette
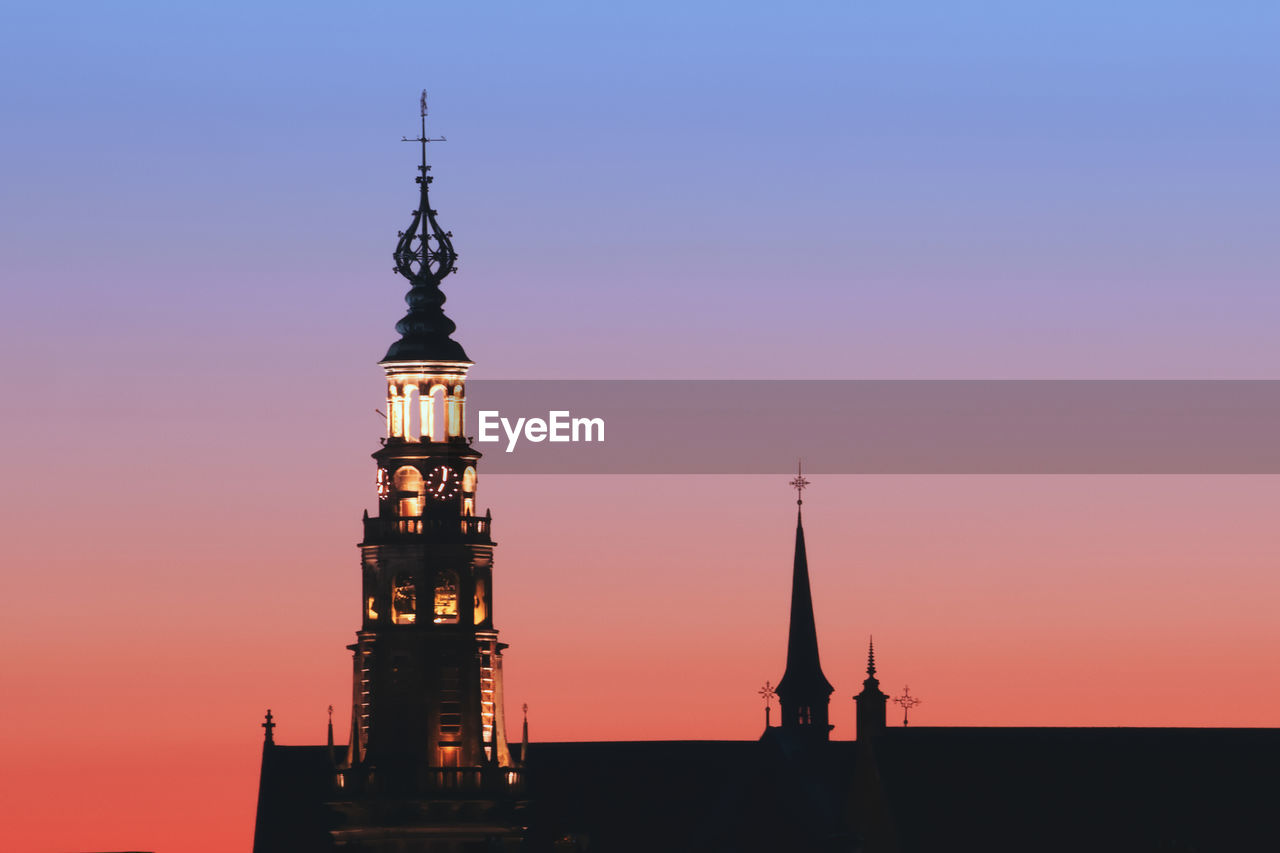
(910, 789)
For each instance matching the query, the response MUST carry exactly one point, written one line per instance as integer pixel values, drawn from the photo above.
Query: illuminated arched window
(404, 601)
(446, 599)
(469, 490)
(481, 605)
(409, 479)
(433, 427)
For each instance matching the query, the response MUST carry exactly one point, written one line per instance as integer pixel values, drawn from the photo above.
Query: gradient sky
(198, 212)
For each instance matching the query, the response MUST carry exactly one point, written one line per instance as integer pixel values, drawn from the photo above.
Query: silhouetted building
(872, 702)
(427, 765)
(804, 694)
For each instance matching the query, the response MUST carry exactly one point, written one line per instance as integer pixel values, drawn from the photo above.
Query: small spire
(269, 726)
(425, 256)
(871, 657)
(524, 736)
(331, 727)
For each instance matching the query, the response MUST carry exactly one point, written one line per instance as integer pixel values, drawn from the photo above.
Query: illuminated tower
(804, 692)
(427, 721)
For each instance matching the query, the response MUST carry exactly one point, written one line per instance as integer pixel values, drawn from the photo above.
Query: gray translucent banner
(876, 427)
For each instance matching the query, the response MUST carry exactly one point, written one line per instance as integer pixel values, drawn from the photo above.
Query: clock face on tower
(442, 483)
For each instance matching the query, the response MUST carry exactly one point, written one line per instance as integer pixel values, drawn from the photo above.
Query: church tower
(872, 701)
(804, 692)
(427, 705)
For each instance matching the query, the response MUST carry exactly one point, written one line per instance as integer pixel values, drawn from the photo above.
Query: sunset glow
(199, 291)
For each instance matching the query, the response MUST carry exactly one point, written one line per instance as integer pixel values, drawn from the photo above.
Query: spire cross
(907, 701)
(799, 483)
(422, 138)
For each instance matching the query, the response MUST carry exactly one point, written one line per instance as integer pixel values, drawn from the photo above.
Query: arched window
(412, 421)
(481, 605)
(446, 599)
(409, 479)
(433, 425)
(404, 601)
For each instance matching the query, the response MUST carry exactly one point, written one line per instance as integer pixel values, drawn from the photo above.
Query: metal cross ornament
(768, 694)
(799, 483)
(907, 701)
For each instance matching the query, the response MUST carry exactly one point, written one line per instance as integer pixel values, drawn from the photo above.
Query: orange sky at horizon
(636, 608)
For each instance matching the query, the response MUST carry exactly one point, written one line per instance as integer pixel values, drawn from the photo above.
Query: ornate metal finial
(425, 256)
(269, 726)
(799, 483)
(768, 693)
(525, 709)
(907, 701)
(424, 251)
(871, 656)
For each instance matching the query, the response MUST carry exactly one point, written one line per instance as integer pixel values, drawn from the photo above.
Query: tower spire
(425, 256)
(803, 692)
(872, 701)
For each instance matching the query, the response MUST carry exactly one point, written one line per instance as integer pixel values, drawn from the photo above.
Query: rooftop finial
(907, 701)
(524, 736)
(799, 483)
(871, 656)
(269, 726)
(425, 256)
(768, 694)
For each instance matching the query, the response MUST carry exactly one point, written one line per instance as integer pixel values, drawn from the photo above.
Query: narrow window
(404, 602)
(481, 606)
(408, 484)
(446, 599)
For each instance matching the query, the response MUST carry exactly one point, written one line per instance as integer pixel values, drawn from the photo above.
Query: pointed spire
(425, 256)
(803, 692)
(524, 736)
(333, 756)
(804, 671)
(872, 701)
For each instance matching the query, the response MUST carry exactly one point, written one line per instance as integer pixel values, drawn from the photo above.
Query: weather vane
(799, 483)
(422, 137)
(907, 701)
(767, 693)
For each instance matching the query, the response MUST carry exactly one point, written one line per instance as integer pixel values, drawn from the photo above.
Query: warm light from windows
(404, 602)
(369, 608)
(481, 605)
(409, 479)
(446, 598)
